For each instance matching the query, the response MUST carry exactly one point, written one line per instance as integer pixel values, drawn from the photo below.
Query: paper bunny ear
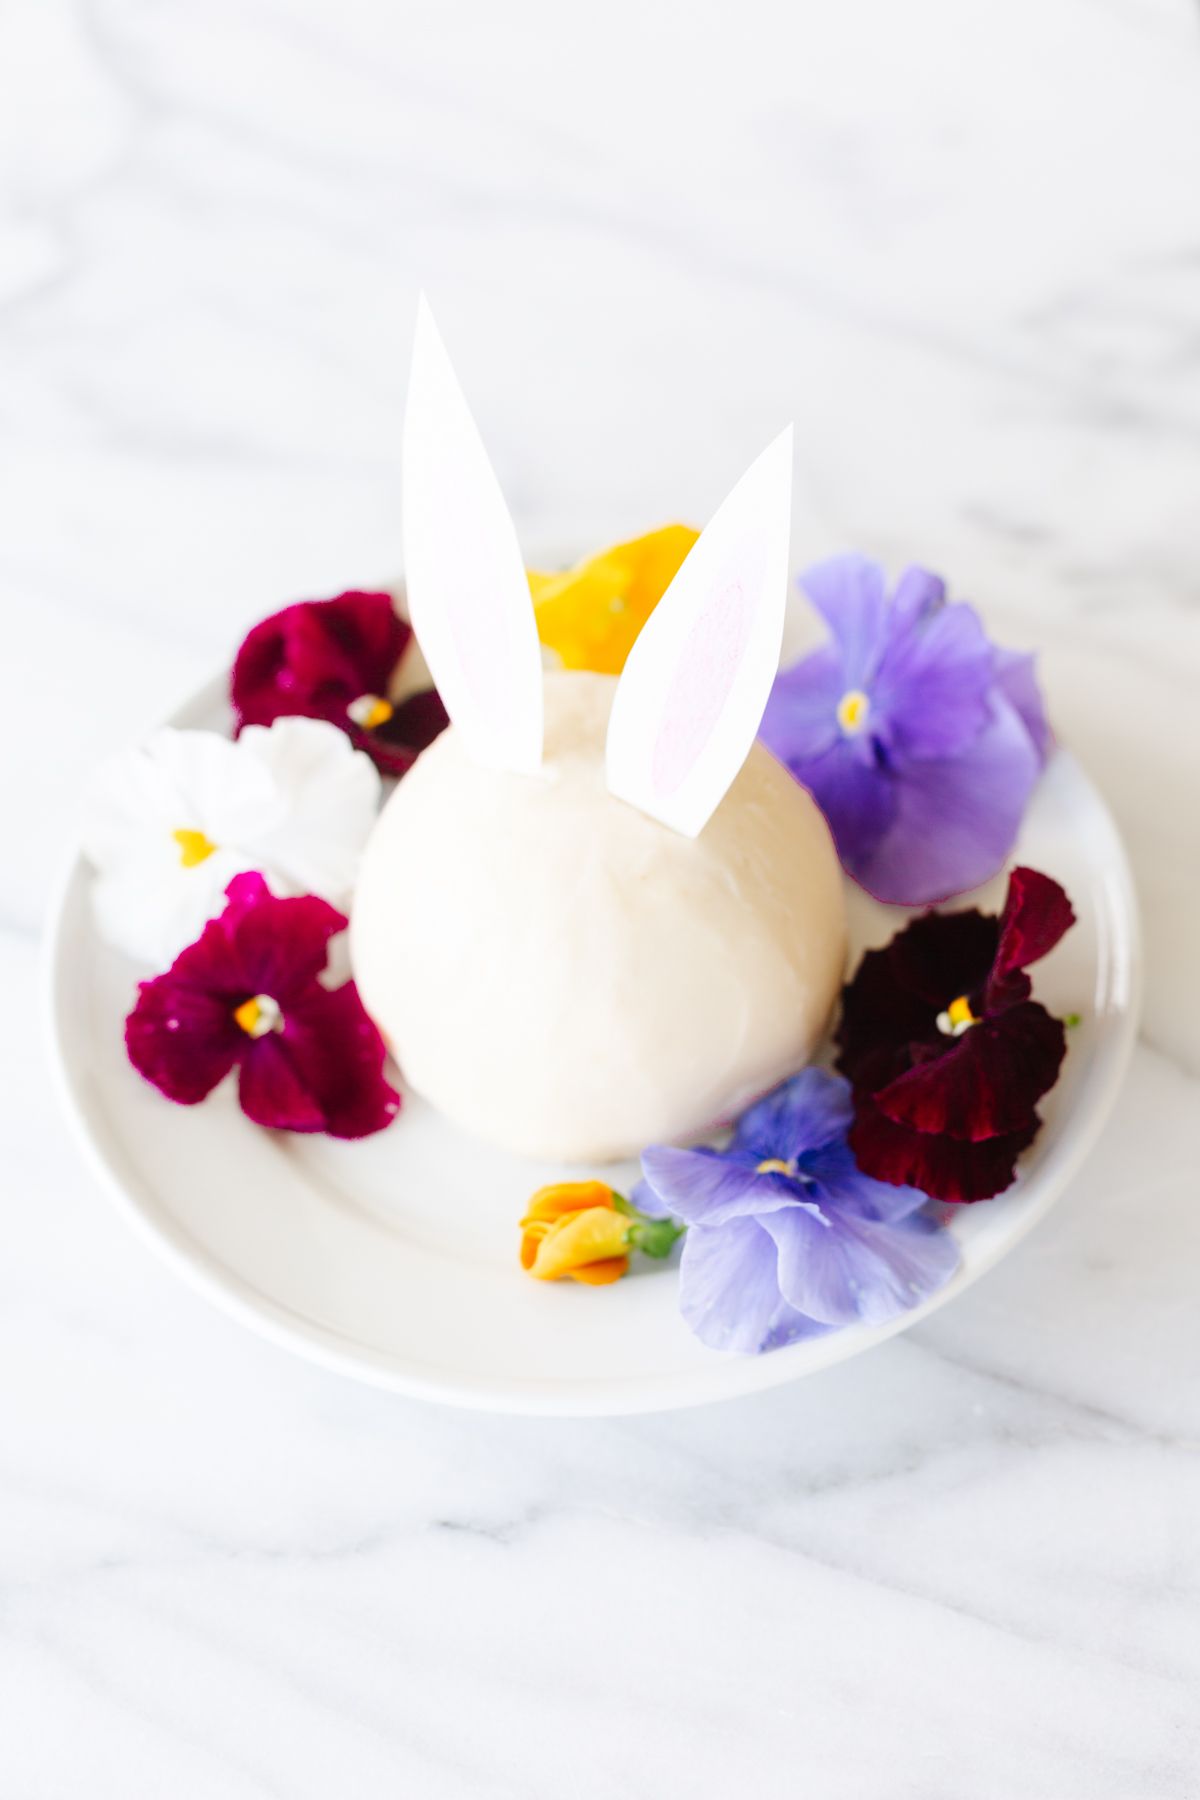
(695, 685)
(468, 594)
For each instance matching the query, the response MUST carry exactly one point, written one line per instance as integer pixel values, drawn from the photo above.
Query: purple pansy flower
(246, 995)
(920, 741)
(785, 1235)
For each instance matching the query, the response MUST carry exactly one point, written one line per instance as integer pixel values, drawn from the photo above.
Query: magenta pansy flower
(246, 995)
(920, 740)
(947, 1052)
(786, 1236)
(334, 660)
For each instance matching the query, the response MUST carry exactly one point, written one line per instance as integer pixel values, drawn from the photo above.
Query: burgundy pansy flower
(947, 1053)
(245, 995)
(334, 659)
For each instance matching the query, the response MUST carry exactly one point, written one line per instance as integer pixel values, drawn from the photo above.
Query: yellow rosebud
(573, 1228)
(591, 614)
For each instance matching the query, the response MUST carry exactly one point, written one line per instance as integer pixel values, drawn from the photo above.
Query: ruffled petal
(800, 721)
(918, 594)
(729, 1290)
(647, 1200)
(322, 1072)
(896, 994)
(130, 797)
(988, 1081)
(707, 1187)
(858, 798)
(840, 1183)
(174, 780)
(315, 658)
(229, 796)
(277, 946)
(354, 641)
(1036, 915)
(591, 615)
(955, 818)
(273, 1088)
(212, 964)
(811, 1111)
(152, 907)
(328, 796)
(851, 595)
(293, 801)
(941, 955)
(943, 1167)
(933, 682)
(181, 1039)
(1016, 676)
(842, 1268)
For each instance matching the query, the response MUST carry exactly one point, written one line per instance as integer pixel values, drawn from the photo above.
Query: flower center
(259, 1015)
(773, 1166)
(853, 710)
(370, 711)
(194, 847)
(957, 1018)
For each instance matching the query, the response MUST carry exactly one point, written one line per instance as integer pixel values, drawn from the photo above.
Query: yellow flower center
(370, 711)
(773, 1166)
(852, 711)
(259, 1015)
(957, 1017)
(194, 847)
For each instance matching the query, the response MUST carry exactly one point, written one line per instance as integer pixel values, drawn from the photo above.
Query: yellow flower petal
(566, 1196)
(580, 1242)
(591, 614)
(601, 1274)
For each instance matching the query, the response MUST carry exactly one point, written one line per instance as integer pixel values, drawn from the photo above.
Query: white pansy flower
(169, 824)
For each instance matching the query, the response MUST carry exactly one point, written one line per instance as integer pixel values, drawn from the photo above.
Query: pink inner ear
(702, 683)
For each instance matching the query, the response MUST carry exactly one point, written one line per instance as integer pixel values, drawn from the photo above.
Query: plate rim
(729, 1377)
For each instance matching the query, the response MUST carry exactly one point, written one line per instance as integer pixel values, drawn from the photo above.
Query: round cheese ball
(571, 980)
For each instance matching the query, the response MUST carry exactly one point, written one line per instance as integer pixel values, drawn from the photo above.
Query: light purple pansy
(919, 739)
(786, 1237)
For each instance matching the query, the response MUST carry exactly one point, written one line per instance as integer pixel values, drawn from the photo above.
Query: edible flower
(786, 1236)
(246, 995)
(947, 1052)
(337, 660)
(584, 1230)
(591, 614)
(169, 823)
(920, 741)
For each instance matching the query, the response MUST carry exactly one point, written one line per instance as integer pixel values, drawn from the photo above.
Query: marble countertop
(960, 245)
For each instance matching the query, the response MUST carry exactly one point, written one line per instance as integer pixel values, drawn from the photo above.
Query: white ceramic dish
(394, 1260)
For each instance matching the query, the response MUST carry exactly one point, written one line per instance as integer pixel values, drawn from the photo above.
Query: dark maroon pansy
(334, 660)
(947, 1053)
(246, 995)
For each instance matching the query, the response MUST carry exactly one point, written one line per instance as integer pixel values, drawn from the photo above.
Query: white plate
(394, 1260)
